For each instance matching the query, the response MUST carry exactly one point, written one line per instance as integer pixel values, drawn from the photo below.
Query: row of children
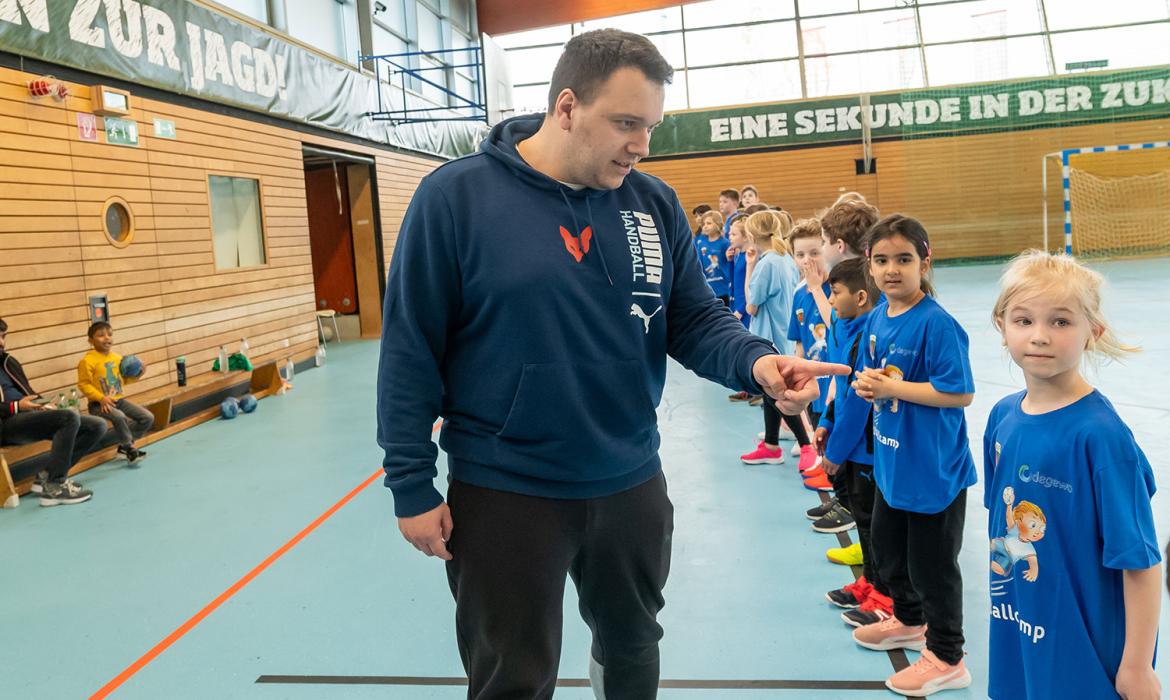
(892, 441)
(27, 417)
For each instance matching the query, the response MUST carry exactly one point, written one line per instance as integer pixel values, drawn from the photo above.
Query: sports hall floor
(87, 590)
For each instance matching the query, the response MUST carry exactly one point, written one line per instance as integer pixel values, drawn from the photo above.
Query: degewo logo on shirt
(1028, 476)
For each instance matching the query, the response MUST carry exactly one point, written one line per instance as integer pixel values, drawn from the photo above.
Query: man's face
(608, 136)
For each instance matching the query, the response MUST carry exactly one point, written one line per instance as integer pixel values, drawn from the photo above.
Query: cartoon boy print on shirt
(1026, 524)
(821, 334)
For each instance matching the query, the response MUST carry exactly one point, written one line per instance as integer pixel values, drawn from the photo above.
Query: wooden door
(331, 239)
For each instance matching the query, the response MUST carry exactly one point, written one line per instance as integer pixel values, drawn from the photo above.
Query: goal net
(1116, 200)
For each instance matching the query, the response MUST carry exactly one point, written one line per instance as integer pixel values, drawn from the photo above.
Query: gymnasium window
(237, 230)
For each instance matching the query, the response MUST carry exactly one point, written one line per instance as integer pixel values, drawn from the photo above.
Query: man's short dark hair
(590, 58)
(3, 326)
(853, 274)
(730, 194)
(701, 209)
(98, 326)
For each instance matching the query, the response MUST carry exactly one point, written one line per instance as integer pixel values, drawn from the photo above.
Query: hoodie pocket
(601, 409)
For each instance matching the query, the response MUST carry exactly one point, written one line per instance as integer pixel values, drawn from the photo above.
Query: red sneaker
(820, 482)
(763, 455)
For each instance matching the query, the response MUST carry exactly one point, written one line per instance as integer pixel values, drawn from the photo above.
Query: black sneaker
(820, 511)
(836, 520)
(43, 478)
(132, 454)
(65, 493)
(861, 617)
(843, 598)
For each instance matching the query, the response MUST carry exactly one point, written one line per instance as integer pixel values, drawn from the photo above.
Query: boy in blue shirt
(844, 438)
(808, 330)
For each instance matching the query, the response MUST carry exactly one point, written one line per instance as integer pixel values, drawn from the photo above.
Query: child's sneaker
(849, 556)
(739, 396)
(132, 454)
(818, 482)
(756, 400)
(836, 520)
(819, 512)
(42, 478)
(875, 608)
(928, 675)
(808, 458)
(851, 596)
(795, 451)
(891, 634)
(762, 455)
(65, 493)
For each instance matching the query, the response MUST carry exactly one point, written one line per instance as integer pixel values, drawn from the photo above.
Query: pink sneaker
(763, 455)
(928, 675)
(808, 457)
(890, 634)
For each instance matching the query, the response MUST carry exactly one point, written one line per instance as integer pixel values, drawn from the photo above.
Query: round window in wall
(118, 222)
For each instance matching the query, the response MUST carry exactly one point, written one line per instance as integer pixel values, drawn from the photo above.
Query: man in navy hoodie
(544, 348)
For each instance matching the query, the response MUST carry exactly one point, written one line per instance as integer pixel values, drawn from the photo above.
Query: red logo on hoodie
(577, 247)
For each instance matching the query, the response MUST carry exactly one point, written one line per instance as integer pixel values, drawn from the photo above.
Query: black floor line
(714, 684)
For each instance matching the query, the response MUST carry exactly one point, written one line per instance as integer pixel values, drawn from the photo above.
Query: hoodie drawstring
(577, 230)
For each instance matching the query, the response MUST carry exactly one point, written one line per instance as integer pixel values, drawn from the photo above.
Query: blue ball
(248, 403)
(229, 408)
(131, 367)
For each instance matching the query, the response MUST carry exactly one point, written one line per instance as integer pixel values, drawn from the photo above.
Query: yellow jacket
(100, 375)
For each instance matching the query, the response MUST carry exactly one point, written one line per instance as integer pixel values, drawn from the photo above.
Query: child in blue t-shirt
(809, 331)
(1075, 572)
(772, 278)
(712, 248)
(918, 377)
(738, 242)
(845, 439)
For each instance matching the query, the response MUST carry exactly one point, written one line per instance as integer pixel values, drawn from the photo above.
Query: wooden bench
(264, 380)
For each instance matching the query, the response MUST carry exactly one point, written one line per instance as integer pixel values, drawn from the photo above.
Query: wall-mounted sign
(87, 127)
(121, 132)
(164, 128)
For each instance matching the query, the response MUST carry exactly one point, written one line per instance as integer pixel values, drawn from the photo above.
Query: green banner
(978, 108)
(182, 47)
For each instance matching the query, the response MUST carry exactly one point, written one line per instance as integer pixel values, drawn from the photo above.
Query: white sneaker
(795, 451)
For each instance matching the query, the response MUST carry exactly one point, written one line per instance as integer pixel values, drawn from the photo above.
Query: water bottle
(181, 370)
(61, 401)
(74, 401)
(223, 361)
(289, 370)
(244, 347)
(320, 355)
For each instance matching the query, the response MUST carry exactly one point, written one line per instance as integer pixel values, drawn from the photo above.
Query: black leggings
(772, 418)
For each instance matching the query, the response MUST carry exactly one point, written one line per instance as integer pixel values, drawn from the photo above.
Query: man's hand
(108, 404)
(430, 531)
(790, 380)
(26, 403)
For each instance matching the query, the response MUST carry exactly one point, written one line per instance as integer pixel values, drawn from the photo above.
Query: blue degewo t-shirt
(922, 457)
(716, 266)
(808, 328)
(1075, 477)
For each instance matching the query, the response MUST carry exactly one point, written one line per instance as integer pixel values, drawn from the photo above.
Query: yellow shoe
(849, 556)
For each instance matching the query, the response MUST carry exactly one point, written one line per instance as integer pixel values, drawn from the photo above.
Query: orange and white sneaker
(928, 675)
(891, 634)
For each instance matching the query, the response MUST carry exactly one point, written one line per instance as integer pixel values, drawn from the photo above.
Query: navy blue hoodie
(536, 320)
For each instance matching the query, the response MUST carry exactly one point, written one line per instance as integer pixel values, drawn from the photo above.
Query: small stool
(331, 315)
(8, 497)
